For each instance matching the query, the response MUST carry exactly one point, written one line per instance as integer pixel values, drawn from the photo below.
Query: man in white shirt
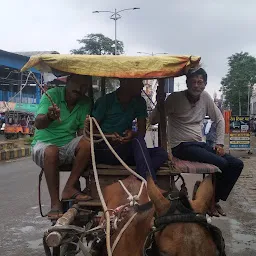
(186, 111)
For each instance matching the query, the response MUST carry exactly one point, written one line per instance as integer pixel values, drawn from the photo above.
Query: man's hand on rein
(116, 137)
(128, 135)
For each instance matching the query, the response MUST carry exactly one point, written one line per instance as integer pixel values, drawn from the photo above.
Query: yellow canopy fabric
(114, 66)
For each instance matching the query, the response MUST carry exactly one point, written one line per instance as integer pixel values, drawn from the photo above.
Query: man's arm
(42, 121)
(46, 113)
(141, 116)
(141, 122)
(216, 116)
(154, 117)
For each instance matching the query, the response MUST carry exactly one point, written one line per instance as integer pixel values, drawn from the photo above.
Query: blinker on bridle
(180, 213)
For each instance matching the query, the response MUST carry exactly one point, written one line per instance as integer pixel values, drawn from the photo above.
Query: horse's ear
(203, 196)
(159, 201)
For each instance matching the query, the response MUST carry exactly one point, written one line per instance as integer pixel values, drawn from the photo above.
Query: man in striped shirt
(185, 112)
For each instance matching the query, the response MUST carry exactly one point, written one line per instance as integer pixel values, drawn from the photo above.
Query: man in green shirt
(58, 139)
(115, 113)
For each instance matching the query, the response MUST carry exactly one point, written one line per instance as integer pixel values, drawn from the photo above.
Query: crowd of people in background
(253, 125)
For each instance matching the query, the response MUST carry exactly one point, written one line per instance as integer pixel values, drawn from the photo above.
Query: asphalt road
(22, 227)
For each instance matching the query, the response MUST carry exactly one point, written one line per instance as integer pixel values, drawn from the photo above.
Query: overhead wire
(21, 87)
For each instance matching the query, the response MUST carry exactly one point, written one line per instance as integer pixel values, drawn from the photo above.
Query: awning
(114, 66)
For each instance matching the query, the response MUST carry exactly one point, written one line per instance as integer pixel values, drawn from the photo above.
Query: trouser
(230, 166)
(135, 152)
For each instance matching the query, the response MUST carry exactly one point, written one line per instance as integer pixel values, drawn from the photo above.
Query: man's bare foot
(73, 194)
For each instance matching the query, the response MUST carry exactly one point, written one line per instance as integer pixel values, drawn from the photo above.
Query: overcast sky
(212, 29)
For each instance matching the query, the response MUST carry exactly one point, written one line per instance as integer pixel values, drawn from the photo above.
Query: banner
(5, 106)
(239, 137)
(227, 115)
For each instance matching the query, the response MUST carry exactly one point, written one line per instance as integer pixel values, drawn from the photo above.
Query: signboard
(32, 108)
(239, 136)
(5, 106)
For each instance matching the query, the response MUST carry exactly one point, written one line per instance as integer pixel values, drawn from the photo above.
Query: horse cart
(104, 225)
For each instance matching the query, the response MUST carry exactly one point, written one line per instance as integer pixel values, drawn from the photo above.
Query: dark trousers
(230, 166)
(136, 153)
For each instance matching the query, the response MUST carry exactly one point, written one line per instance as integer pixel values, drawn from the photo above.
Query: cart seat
(183, 166)
(176, 166)
(109, 174)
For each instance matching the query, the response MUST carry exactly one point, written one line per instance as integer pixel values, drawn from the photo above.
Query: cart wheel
(63, 250)
(196, 186)
(56, 251)
(68, 250)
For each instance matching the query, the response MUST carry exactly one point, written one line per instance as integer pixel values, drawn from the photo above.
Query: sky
(212, 29)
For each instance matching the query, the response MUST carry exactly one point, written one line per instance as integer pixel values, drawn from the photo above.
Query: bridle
(180, 211)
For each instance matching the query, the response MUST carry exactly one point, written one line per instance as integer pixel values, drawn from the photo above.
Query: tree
(238, 82)
(98, 44)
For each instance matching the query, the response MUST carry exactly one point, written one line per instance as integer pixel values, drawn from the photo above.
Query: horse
(164, 226)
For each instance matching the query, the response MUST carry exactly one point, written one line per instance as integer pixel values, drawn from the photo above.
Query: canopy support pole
(103, 86)
(162, 137)
(90, 91)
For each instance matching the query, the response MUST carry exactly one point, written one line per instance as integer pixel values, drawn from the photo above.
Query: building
(253, 102)
(16, 86)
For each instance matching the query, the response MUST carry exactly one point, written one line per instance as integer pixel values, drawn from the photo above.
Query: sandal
(220, 210)
(84, 197)
(213, 213)
(54, 214)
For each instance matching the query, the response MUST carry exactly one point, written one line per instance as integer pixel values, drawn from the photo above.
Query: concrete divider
(17, 152)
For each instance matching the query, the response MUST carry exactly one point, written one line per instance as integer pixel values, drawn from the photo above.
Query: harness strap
(179, 218)
(39, 193)
(133, 200)
(147, 206)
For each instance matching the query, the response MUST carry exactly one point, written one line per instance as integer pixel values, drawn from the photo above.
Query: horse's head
(179, 227)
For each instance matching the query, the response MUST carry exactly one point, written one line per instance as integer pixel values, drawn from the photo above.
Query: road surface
(22, 226)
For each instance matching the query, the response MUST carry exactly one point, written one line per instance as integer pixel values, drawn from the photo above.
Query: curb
(14, 153)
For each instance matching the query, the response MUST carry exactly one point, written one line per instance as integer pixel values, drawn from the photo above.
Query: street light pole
(115, 34)
(116, 16)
